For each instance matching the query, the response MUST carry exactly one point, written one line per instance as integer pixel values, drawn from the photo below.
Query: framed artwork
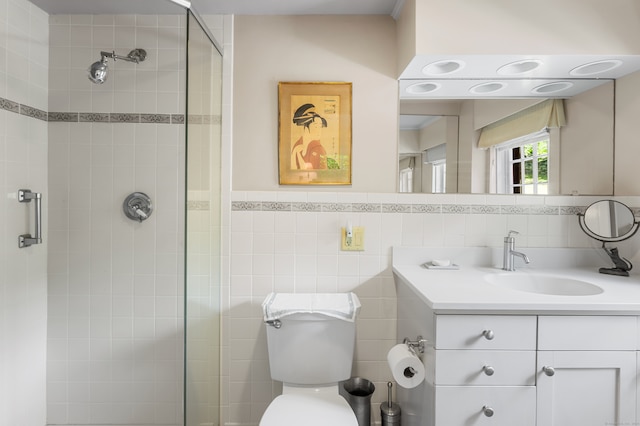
(314, 126)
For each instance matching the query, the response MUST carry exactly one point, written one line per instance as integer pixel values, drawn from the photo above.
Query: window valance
(547, 114)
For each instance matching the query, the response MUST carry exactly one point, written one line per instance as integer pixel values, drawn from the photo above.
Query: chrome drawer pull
(488, 334)
(488, 370)
(549, 371)
(488, 411)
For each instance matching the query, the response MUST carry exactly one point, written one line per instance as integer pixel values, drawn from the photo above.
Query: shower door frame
(193, 408)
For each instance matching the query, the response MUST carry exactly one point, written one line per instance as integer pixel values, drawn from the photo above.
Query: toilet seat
(309, 410)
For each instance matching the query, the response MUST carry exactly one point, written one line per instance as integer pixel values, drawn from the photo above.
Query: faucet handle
(512, 233)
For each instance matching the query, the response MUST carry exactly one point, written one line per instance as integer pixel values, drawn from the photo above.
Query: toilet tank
(311, 337)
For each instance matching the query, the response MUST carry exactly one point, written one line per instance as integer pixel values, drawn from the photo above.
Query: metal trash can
(357, 391)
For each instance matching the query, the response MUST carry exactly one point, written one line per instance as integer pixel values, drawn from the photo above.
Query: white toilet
(311, 339)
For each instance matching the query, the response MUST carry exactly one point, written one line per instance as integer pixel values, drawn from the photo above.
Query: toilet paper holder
(415, 345)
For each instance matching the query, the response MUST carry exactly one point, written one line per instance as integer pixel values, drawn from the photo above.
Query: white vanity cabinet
(482, 370)
(531, 370)
(586, 370)
(555, 357)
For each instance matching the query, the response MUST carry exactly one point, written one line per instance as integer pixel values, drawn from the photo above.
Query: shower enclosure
(131, 333)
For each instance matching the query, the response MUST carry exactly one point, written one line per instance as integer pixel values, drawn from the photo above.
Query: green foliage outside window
(528, 153)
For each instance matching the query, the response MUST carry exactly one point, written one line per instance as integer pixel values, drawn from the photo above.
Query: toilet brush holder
(389, 412)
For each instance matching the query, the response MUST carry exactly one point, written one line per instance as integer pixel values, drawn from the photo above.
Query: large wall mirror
(438, 147)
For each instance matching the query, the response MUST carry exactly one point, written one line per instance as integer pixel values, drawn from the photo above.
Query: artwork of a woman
(307, 152)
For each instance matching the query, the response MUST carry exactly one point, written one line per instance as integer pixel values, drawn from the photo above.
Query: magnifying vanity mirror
(610, 221)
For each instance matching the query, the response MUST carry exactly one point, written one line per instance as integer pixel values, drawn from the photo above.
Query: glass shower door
(202, 275)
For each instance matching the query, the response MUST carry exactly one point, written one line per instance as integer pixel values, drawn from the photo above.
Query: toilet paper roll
(406, 367)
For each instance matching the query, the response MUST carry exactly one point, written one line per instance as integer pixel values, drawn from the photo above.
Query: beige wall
(507, 27)
(357, 49)
(627, 148)
(586, 143)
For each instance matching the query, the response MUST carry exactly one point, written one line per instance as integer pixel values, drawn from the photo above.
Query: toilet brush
(389, 412)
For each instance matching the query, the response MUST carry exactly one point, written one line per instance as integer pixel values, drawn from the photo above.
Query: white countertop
(466, 290)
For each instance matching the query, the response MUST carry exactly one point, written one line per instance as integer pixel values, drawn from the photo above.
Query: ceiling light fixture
(597, 67)
(554, 87)
(488, 87)
(443, 67)
(422, 88)
(520, 67)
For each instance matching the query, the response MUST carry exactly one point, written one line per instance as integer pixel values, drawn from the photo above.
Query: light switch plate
(357, 241)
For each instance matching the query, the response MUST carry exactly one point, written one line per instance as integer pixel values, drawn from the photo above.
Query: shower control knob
(487, 411)
(488, 334)
(549, 371)
(137, 206)
(488, 370)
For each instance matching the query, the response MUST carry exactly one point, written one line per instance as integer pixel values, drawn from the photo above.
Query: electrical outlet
(356, 242)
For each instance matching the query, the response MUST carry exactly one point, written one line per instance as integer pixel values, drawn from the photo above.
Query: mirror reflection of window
(439, 178)
(522, 165)
(406, 180)
(436, 159)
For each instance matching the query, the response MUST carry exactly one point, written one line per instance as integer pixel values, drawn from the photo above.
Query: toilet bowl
(309, 407)
(311, 340)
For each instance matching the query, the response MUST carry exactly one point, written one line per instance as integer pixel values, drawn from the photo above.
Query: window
(406, 180)
(438, 177)
(522, 165)
(436, 157)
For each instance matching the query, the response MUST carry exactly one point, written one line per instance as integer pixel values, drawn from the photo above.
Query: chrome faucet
(509, 253)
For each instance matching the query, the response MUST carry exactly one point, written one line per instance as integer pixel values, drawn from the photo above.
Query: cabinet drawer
(485, 368)
(509, 405)
(517, 332)
(587, 333)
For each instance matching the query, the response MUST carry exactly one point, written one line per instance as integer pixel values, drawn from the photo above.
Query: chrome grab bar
(25, 196)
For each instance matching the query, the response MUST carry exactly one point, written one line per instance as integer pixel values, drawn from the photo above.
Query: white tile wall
(152, 86)
(115, 306)
(23, 164)
(115, 341)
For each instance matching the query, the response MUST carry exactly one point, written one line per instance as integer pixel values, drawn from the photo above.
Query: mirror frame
(604, 239)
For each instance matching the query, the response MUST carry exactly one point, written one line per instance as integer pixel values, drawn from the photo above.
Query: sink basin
(543, 284)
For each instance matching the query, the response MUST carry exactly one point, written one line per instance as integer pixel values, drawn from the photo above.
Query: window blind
(546, 114)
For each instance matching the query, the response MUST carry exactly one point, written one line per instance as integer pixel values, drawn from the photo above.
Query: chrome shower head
(98, 71)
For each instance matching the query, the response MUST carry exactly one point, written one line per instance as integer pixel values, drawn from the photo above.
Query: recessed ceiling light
(597, 67)
(486, 88)
(554, 87)
(519, 67)
(422, 88)
(443, 67)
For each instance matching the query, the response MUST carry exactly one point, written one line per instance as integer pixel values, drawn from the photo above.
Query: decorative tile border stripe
(198, 205)
(10, 106)
(104, 117)
(257, 206)
(204, 119)
(63, 117)
(115, 117)
(33, 112)
(93, 117)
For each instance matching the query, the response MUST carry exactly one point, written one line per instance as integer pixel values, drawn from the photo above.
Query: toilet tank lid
(344, 306)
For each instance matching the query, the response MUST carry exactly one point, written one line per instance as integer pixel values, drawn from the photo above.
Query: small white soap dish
(440, 264)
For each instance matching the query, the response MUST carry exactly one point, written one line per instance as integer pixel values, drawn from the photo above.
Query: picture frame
(314, 133)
